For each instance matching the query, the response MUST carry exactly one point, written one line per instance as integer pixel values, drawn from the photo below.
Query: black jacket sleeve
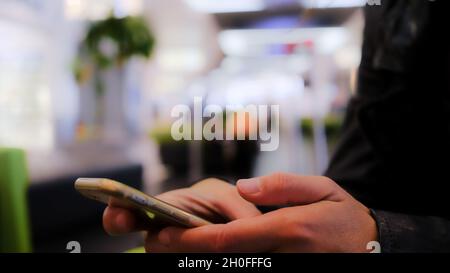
(403, 233)
(393, 153)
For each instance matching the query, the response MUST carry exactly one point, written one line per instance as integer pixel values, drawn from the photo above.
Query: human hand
(211, 199)
(322, 218)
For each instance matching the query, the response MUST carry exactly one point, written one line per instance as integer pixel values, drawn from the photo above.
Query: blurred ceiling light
(98, 10)
(123, 8)
(332, 41)
(73, 9)
(181, 59)
(233, 45)
(251, 42)
(101, 9)
(226, 6)
(348, 57)
(324, 4)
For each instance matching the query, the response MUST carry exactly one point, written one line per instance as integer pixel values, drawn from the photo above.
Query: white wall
(187, 47)
(38, 97)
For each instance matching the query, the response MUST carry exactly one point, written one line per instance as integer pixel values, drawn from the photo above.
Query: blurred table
(76, 159)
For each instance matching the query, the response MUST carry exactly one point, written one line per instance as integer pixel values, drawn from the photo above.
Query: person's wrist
(372, 238)
(373, 215)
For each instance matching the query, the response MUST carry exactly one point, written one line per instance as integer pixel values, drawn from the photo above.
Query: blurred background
(87, 89)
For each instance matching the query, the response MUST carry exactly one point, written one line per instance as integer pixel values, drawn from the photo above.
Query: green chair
(14, 222)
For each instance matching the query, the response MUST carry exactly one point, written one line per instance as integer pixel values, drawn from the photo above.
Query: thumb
(289, 189)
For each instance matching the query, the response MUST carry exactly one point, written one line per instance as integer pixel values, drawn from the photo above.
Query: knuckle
(201, 183)
(209, 181)
(299, 230)
(335, 192)
(328, 181)
(279, 180)
(222, 242)
(304, 231)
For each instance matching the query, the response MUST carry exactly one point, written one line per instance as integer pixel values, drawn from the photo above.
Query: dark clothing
(394, 152)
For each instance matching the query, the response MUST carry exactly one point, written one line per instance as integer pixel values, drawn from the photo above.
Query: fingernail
(249, 186)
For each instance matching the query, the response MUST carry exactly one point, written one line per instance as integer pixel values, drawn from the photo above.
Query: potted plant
(219, 158)
(332, 124)
(174, 154)
(100, 68)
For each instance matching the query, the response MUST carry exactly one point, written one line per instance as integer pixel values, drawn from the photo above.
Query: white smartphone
(160, 212)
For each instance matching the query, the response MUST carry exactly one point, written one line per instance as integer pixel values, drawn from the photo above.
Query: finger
(229, 206)
(117, 221)
(289, 189)
(152, 244)
(239, 208)
(259, 234)
(232, 206)
(231, 203)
